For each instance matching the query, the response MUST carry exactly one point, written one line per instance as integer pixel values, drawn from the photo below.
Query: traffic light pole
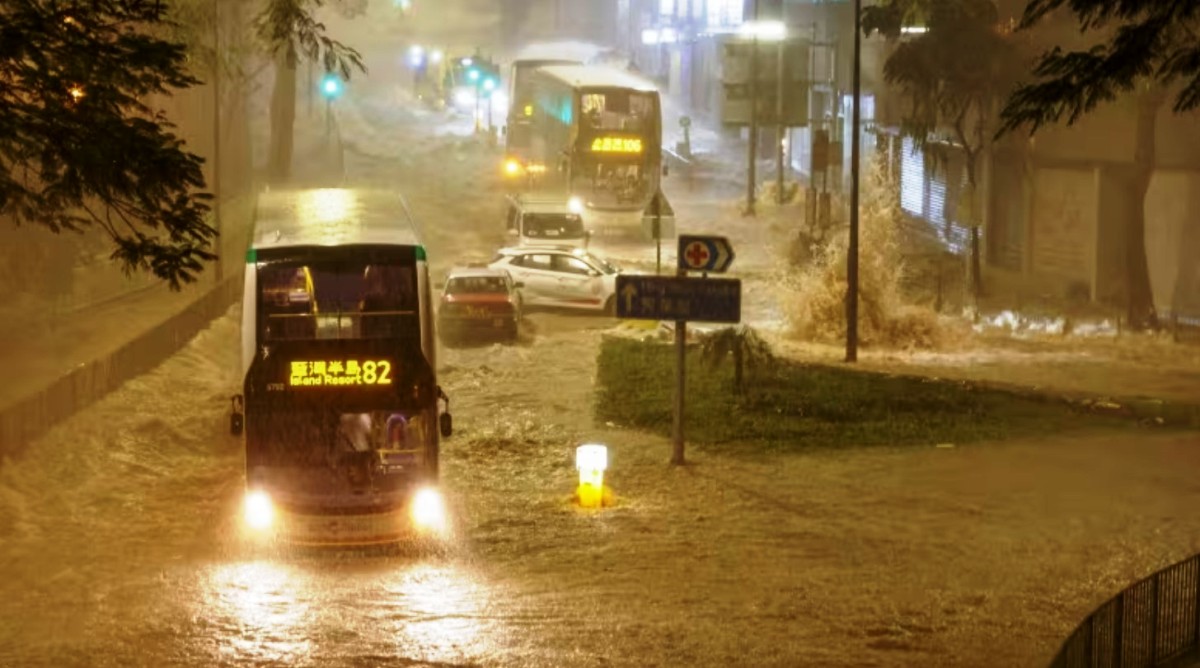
(852, 255)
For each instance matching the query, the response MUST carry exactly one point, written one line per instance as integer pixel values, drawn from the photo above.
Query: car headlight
(259, 510)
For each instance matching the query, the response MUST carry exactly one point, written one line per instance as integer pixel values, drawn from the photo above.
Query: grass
(795, 406)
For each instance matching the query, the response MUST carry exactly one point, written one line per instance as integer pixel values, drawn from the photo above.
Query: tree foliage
(951, 75)
(289, 28)
(1149, 41)
(80, 148)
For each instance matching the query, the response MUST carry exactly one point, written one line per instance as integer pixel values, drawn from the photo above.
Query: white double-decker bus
(341, 400)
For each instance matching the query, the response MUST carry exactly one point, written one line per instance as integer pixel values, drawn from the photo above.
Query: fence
(1154, 622)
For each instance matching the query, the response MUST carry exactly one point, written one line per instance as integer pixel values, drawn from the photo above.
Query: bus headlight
(429, 511)
(259, 511)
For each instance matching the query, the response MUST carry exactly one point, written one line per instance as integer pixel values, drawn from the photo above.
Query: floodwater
(119, 544)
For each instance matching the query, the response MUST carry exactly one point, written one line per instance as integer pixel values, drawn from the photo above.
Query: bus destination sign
(324, 373)
(616, 145)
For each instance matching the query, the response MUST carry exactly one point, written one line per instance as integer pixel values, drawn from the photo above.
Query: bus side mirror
(237, 418)
(445, 425)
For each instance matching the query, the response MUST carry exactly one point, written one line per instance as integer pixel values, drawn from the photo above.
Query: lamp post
(769, 31)
(752, 144)
(852, 254)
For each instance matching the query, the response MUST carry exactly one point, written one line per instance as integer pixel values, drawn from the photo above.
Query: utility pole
(780, 131)
(216, 184)
(752, 144)
(852, 255)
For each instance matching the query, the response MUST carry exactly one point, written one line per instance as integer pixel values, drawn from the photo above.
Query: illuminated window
(724, 13)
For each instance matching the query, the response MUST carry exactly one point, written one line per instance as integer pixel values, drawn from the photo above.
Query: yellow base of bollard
(590, 496)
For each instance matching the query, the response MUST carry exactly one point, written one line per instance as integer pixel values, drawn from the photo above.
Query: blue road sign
(679, 298)
(704, 253)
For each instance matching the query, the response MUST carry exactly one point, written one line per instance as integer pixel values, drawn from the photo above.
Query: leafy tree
(1146, 48)
(290, 33)
(952, 75)
(78, 147)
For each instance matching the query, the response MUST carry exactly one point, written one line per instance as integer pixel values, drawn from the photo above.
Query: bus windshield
(337, 300)
(618, 111)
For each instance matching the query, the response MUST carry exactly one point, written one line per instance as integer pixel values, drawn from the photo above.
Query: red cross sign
(704, 253)
(697, 254)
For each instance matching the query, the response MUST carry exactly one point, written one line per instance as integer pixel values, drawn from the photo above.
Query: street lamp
(331, 89)
(767, 31)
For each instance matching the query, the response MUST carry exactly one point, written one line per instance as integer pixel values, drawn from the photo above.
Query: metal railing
(1154, 622)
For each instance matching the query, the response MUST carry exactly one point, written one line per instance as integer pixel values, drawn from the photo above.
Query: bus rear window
(337, 300)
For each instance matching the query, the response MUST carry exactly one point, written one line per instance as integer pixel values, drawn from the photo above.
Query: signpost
(658, 221)
(705, 254)
(682, 298)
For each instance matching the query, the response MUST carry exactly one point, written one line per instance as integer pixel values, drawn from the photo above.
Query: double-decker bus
(594, 133)
(341, 401)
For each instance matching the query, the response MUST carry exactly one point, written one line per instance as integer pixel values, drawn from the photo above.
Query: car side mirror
(519, 284)
(593, 273)
(445, 425)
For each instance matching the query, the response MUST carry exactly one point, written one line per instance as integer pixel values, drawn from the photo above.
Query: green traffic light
(331, 86)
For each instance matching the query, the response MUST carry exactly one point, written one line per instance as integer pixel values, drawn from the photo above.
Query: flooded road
(119, 544)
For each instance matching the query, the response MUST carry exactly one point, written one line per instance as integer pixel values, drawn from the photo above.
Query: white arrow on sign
(724, 254)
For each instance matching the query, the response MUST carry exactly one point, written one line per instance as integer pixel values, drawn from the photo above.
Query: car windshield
(553, 225)
(600, 263)
(462, 285)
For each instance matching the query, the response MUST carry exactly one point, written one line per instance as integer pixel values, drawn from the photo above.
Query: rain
(1005, 451)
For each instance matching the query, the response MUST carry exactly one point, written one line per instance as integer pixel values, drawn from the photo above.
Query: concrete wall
(1063, 224)
(26, 420)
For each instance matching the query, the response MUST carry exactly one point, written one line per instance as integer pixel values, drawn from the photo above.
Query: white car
(563, 277)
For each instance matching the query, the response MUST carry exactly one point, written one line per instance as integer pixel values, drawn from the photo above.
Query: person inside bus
(385, 294)
(288, 295)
